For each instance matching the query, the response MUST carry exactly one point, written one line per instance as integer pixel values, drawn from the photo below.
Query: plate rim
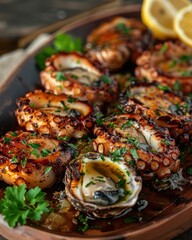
(140, 233)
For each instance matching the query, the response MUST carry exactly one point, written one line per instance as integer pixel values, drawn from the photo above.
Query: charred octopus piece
(33, 159)
(75, 75)
(168, 63)
(100, 187)
(162, 105)
(57, 115)
(116, 41)
(134, 138)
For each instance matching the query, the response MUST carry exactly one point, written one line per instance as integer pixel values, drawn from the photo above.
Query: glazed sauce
(150, 206)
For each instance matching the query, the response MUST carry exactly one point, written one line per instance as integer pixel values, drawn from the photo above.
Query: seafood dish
(107, 131)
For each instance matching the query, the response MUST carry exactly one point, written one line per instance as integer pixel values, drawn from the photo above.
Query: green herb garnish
(63, 42)
(20, 205)
(133, 140)
(60, 77)
(134, 153)
(128, 124)
(65, 138)
(118, 154)
(23, 162)
(34, 145)
(123, 28)
(164, 48)
(163, 88)
(14, 134)
(105, 79)
(48, 169)
(14, 159)
(83, 220)
(45, 152)
(64, 105)
(7, 140)
(70, 99)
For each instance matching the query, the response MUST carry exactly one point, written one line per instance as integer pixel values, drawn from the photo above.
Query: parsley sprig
(20, 205)
(63, 42)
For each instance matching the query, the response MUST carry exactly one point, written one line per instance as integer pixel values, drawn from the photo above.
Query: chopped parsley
(70, 99)
(64, 105)
(95, 180)
(185, 58)
(105, 79)
(186, 73)
(34, 145)
(99, 118)
(24, 142)
(31, 104)
(133, 140)
(60, 77)
(14, 159)
(177, 85)
(167, 142)
(121, 183)
(163, 87)
(83, 220)
(128, 124)
(65, 138)
(23, 162)
(123, 28)
(14, 134)
(62, 42)
(164, 48)
(45, 152)
(111, 124)
(48, 169)
(118, 154)
(72, 146)
(134, 153)
(7, 140)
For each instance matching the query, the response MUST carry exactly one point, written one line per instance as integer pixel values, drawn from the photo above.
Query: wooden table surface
(19, 18)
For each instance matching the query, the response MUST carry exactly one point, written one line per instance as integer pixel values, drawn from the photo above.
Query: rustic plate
(159, 222)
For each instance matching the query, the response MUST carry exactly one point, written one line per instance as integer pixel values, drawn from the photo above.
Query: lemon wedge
(183, 25)
(158, 15)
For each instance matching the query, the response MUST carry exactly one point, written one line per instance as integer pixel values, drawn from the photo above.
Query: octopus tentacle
(57, 115)
(168, 63)
(75, 75)
(165, 107)
(33, 159)
(151, 147)
(116, 41)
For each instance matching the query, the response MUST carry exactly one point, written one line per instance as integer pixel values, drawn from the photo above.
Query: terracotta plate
(159, 222)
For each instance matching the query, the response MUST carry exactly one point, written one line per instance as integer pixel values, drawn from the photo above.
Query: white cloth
(10, 61)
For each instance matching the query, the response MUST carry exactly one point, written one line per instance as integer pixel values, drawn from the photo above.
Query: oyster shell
(101, 187)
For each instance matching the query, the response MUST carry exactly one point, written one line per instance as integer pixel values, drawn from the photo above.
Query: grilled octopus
(135, 138)
(116, 41)
(165, 107)
(169, 63)
(75, 75)
(56, 115)
(33, 159)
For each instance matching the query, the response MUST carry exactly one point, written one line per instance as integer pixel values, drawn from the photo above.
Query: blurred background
(23, 20)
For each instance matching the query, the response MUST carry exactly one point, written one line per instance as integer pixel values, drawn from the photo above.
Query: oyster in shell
(101, 187)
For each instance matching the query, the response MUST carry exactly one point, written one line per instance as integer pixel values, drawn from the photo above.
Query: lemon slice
(183, 25)
(159, 16)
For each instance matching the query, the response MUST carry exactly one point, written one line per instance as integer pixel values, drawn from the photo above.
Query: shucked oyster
(101, 187)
